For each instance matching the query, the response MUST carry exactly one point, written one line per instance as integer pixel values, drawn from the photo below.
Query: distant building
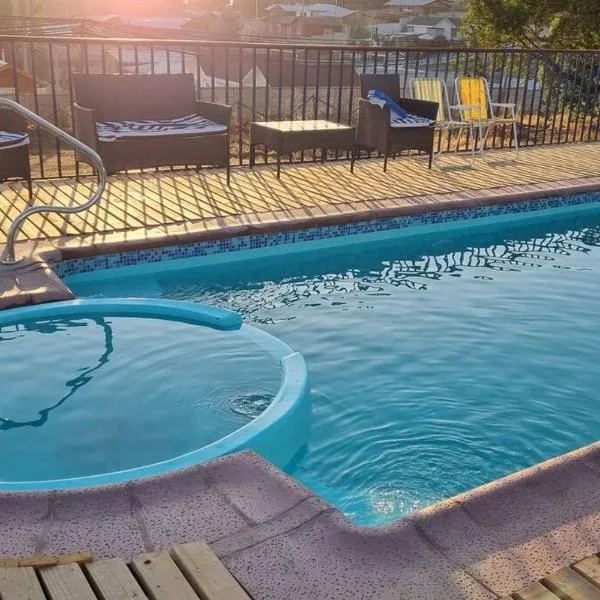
(201, 23)
(419, 28)
(402, 11)
(434, 27)
(314, 21)
(311, 10)
(17, 8)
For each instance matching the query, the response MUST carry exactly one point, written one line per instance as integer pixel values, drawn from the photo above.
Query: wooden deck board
(20, 584)
(112, 580)
(589, 568)
(146, 200)
(161, 578)
(566, 583)
(195, 574)
(66, 582)
(205, 572)
(535, 591)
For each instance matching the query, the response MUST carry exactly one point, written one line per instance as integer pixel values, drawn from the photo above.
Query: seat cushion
(190, 125)
(398, 116)
(11, 139)
(409, 121)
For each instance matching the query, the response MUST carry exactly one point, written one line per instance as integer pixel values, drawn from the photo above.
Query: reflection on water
(307, 280)
(73, 385)
(437, 363)
(89, 396)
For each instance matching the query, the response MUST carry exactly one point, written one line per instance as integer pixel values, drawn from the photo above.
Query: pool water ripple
(108, 394)
(437, 363)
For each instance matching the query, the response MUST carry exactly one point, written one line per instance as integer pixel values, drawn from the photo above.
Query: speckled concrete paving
(280, 541)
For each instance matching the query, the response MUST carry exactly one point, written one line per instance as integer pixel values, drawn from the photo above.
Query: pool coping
(278, 538)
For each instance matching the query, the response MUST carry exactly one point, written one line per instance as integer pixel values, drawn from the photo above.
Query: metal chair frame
(488, 120)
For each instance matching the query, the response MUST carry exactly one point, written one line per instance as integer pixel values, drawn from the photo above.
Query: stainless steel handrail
(8, 256)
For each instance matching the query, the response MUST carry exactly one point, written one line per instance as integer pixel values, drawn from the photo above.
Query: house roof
(322, 10)
(430, 21)
(409, 2)
(156, 22)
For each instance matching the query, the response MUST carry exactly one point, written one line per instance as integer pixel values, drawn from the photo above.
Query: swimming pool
(437, 362)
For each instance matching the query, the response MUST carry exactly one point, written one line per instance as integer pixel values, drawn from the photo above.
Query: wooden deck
(188, 572)
(193, 572)
(580, 581)
(188, 200)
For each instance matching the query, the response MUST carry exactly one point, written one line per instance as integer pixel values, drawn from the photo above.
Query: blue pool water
(89, 396)
(437, 363)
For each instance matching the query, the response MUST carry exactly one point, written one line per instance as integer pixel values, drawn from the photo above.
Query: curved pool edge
(200, 314)
(286, 418)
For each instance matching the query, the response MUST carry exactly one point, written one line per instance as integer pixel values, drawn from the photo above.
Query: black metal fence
(557, 93)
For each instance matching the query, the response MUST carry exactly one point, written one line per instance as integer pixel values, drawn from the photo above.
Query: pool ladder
(8, 255)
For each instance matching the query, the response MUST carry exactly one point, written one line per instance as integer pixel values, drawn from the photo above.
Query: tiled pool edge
(77, 260)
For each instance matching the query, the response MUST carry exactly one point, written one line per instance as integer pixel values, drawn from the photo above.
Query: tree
(568, 80)
(534, 23)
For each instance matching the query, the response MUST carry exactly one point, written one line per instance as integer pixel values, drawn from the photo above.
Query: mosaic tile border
(75, 266)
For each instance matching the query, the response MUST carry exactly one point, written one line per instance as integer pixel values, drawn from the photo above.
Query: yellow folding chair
(476, 107)
(433, 89)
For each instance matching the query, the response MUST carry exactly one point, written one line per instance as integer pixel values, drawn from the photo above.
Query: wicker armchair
(14, 148)
(374, 130)
(144, 103)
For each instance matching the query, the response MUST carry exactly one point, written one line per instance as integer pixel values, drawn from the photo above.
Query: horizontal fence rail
(557, 93)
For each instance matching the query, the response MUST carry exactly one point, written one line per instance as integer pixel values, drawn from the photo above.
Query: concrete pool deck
(277, 538)
(281, 541)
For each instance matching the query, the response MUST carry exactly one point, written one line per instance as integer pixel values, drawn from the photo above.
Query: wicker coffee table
(286, 137)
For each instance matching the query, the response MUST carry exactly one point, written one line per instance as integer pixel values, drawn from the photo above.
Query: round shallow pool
(97, 392)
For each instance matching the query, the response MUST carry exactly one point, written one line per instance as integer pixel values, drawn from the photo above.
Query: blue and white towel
(410, 121)
(11, 139)
(398, 116)
(190, 125)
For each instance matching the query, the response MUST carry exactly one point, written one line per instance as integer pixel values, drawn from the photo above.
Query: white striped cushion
(112, 131)
(11, 139)
(410, 121)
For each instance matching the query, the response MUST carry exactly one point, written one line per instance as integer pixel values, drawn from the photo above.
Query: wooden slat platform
(149, 200)
(580, 581)
(188, 572)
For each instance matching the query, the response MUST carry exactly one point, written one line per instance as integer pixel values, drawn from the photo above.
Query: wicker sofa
(139, 121)
(374, 130)
(14, 148)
